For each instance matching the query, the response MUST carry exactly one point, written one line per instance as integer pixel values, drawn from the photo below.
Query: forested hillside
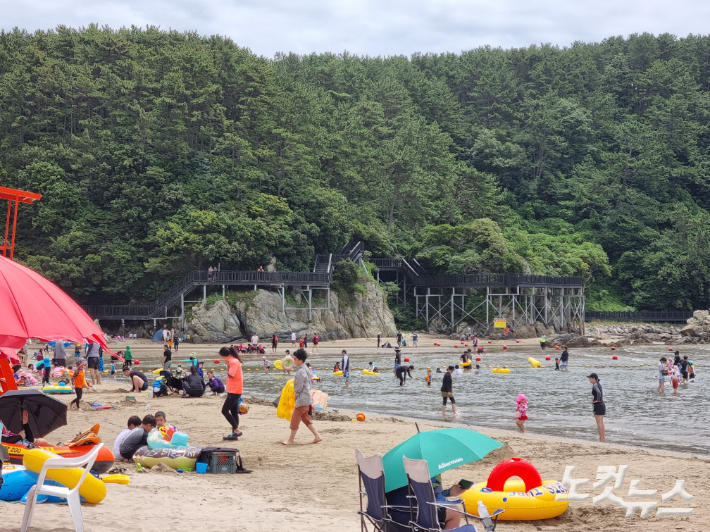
(160, 152)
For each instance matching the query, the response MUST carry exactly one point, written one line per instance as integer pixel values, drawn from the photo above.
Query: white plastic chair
(71, 495)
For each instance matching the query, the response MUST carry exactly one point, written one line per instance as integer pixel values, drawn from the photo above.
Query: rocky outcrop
(361, 315)
(698, 326)
(216, 324)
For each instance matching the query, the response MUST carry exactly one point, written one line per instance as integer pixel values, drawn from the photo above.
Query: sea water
(559, 402)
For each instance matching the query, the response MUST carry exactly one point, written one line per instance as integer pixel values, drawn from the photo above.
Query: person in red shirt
(234, 386)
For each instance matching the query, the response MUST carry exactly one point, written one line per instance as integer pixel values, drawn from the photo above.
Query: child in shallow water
(521, 412)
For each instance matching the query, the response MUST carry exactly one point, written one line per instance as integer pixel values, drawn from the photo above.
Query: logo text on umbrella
(447, 464)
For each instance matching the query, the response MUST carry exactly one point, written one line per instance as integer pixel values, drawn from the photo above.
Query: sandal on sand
(232, 437)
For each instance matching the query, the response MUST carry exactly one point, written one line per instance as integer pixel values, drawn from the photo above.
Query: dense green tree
(160, 152)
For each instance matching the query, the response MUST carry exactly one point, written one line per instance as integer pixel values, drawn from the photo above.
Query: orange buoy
(406, 359)
(670, 349)
(613, 348)
(557, 347)
(360, 417)
(456, 345)
(517, 341)
(137, 362)
(489, 341)
(547, 357)
(478, 359)
(216, 361)
(615, 357)
(465, 345)
(505, 346)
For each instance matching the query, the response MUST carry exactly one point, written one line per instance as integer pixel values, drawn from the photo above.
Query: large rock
(360, 316)
(698, 325)
(216, 324)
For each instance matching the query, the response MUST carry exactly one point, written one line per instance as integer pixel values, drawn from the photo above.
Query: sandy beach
(314, 487)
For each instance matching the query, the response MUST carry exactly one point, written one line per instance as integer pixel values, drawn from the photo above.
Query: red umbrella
(33, 307)
(9, 354)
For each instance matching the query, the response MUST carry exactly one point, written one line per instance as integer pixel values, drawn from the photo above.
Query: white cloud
(375, 27)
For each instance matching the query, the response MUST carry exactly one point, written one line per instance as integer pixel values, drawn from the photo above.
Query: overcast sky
(375, 27)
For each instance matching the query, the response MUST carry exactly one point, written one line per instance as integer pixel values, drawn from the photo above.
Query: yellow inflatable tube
(534, 363)
(466, 364)
(501, 370)
(277, 364)
(365, 372)
(287, 402)
(93, 490)
(337, 373)
(519, 505)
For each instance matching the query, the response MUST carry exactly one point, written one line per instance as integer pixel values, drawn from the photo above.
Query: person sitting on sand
(25, 436)
(137, 438)
(133, 422)
(161, 420)
(302, 391)
(139, 382)
(215, 384)
(193, 386)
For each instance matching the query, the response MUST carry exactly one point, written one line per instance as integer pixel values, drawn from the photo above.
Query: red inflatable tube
(514, 467)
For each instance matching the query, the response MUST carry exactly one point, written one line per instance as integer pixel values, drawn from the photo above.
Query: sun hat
(521, 397)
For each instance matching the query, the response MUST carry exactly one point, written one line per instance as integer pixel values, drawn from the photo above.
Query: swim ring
(534, 363)
(287, 401)
(277, 364)
(59, 388)
(528, 499)
(466, 364)
(175, 458)
(368, 372)
(92, 489)
(287, 364)
(501, 370)
(17, 482)
(162, 438)
(338, 373)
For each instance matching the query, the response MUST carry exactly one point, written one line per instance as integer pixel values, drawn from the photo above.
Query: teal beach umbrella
(443, 449)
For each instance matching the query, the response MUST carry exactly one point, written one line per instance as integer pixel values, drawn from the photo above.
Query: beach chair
(371, 476)
(423, 492)
(71, 495)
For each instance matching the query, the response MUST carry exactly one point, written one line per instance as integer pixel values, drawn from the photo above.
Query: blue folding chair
(427, 506)
(371, 474)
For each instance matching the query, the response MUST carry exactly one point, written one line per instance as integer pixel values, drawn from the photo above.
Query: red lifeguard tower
(7, 382)
(16, 196)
